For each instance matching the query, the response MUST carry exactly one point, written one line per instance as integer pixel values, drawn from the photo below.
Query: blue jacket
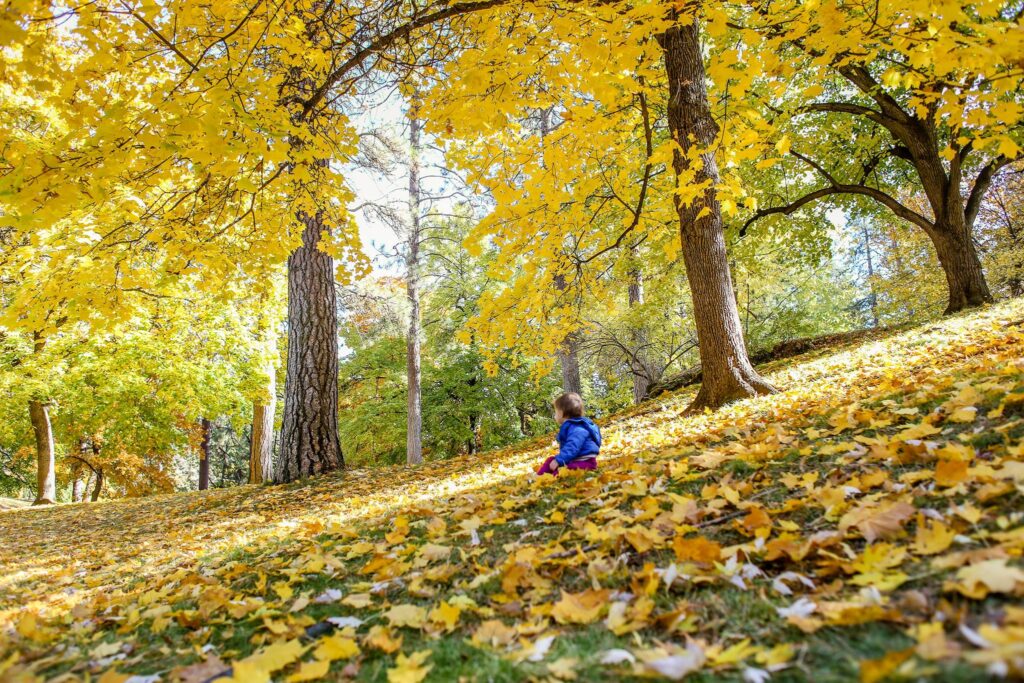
(578, 436)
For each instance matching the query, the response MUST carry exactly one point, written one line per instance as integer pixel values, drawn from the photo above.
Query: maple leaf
(380, 638)
(334, 647)
(950, 472)
(878, 521)
(697, 549)
(445, 614)
(564, 668)
(310, 671)
(201, 671)
(932, 537)
(874, 670)
(756, 520)
(258, 666)
(357, 600)
(990, 576)
(410, 616)
(579, 608)
(494, 633)
(411, 669)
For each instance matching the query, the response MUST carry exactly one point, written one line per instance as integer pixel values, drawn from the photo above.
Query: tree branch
(981, 185)
(386, 40)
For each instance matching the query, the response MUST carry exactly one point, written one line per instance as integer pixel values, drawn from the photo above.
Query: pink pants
(584, 463)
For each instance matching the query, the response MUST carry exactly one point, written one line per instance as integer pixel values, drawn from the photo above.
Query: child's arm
(571, 448)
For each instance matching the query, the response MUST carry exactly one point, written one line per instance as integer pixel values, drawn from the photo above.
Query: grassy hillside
(867, 521)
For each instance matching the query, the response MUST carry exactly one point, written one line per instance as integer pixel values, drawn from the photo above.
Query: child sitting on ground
(579, 439)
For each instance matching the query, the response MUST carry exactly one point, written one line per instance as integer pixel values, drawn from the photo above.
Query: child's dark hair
(569, 404)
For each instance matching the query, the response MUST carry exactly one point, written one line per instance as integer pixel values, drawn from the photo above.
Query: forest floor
(867, 521)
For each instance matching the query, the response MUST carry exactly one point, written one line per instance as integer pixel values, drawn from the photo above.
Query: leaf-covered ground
(866, 522)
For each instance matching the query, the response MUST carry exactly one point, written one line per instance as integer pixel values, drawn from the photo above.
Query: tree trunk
(309, 434)
(204, 456)
(728, 374)
(959, 260)
(77, 483)
(98, 486)
(414, 417)
(39, 414)
(46, 483)
(261, 466)
(567, 352)
(871, 276)
(639, 363)
(569, 360)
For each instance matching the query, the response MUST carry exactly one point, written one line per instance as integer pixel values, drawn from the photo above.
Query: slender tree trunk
(965, 277)
(46, 482)
(39, 414)
(414, 419)
(88, 484)
(873, 301)
(98, 487)
(77, 483)
(567, 353)
(261, 443)
(204, 456)
(639, 363)
(309, 433)
(568, 358)
(728, 374)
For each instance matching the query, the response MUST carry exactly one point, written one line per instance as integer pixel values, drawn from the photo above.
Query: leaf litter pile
(865, 523)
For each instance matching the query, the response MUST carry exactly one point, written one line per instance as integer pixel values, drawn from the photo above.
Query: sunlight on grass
(717, 544)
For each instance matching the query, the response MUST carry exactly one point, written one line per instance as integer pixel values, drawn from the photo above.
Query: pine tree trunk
(204, 456)
(414, 419)
(309, 433)
(728, 374)
(965, 277)
(46, 482)
(261, 466)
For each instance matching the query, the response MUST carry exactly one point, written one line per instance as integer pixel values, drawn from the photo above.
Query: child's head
(567, 406)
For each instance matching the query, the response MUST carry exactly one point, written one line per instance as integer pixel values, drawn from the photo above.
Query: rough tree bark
(204, 456)
(728, 374)
(46, 482)
(309, 433)
(261, 444)
(965, 278)
(414, 417)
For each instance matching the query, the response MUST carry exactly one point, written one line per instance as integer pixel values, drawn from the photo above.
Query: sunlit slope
(866, 520)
